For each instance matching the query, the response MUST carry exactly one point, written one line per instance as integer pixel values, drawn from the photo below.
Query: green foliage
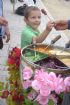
(61, 95)
(26, 91)
(28, 102)
(50, 102)
(35, 103)
(0, 93)
(1, 86)
(10, 102)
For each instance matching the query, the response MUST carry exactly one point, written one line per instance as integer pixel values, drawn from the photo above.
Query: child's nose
(37, 19)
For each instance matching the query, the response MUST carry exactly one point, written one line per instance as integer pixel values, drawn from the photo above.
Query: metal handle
(55, 39)
(67, 44)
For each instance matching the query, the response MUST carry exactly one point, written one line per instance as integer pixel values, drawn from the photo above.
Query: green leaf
(10, 101)
(50, 102)
(35, 103)
(1, 86)
(61, 95)
(12, 87)
(1, 93)
(28, 102)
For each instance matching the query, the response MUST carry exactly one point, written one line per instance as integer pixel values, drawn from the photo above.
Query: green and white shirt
(27, 34)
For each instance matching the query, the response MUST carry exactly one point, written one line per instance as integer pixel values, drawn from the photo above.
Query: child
(32, 17)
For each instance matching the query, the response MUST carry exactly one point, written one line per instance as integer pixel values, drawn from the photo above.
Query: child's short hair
(29, 9)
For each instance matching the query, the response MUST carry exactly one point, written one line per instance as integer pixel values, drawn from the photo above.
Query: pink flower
(52, 80)
(60, 86)
(52, 76)
(42, 100)
(26, 84)
(27, 73)
(40, 75)
(44, 84)
(45, 89)
(67, 81)
(67, 84)
(35, 85)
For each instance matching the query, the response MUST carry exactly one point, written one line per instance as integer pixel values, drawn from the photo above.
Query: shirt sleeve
(69, 24)
(26, 38)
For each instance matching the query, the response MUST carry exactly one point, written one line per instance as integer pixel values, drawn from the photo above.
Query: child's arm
(44, 34)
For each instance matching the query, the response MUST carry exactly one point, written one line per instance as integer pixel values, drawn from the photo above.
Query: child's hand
(49, 26)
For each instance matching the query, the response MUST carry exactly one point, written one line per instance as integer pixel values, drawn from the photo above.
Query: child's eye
(39, 17)
(33, 17)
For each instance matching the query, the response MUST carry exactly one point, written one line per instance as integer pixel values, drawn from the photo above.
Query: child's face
(34, 19)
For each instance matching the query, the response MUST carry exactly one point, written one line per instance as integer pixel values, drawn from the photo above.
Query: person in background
(30, 33)
(62, 24)
(4, 30)
(3, 21)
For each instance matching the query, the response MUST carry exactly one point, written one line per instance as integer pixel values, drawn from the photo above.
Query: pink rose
(26, 84)
(67, 84)
(42, 100)
(60, 86)
(27, 73)
(35, 85)
(67, 81)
